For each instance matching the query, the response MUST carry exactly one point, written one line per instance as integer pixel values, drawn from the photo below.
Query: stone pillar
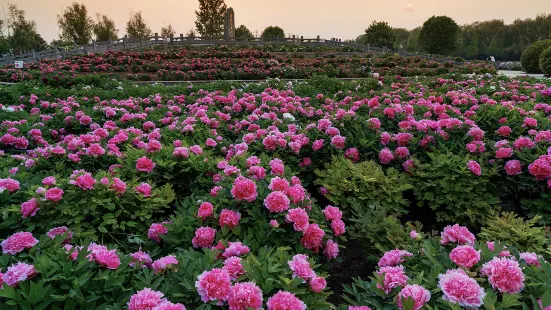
(229, 25)
(318, 39)
(124, 41)
(94, 45)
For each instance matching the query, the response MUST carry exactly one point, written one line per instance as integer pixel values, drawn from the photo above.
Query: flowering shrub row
(245, 198)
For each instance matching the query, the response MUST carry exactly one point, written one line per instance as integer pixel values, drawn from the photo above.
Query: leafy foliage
(530, 58)
(380, 34)
(545, 61)
(242, 32)
(137, 28)
(210, 18)
(272, 32)
(75, 24)
(168, 31)
(105, 28)
(439, 35)
(511, 229)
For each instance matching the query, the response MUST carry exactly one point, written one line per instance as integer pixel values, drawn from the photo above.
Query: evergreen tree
(272, 32)
(380, 34)
(439, 35)
(210, 18)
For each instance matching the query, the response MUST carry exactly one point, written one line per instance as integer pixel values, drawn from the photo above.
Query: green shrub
(445, 184)
(364, 184)
(515, 231)
(545, 61)
(530, 58)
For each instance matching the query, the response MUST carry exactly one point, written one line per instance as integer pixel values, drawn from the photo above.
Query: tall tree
(439, 35)
(137, 28)
(402, 36)
(380, 34)
(210, 18)
(22, 33)
(167, 32)
(242, 32)
(105, 28)
(75, 24)
(272, 32)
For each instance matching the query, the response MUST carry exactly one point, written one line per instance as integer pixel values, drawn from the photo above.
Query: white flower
(288, 116)
(120, 87)
(375, 75)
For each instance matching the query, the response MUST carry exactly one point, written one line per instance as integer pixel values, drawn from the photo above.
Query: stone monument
(229, 25)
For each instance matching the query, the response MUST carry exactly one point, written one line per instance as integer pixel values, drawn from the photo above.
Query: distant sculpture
(229, 25)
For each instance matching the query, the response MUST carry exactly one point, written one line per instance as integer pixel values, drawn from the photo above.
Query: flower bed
(184, 65)
(246, 197)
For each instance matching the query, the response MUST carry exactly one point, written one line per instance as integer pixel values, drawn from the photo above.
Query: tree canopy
(210, 18)
(168, 31)
(380, 34)
(105, 28)
(242, 32)
(23, 36)
(75, 24)
(137, 28)
(272, 32)
(439, 35)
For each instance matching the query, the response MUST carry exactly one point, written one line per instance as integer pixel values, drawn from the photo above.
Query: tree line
(479, 40)
(19, 35)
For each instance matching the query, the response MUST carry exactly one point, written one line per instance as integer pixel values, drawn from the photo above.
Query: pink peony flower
(457, 234)
(18, 273)
(278, 184)
(229, 218)
(332, 213)
(299, 218)
(204, 237)
(317, 284)
(29, 208)
(274, 223)
(285, 301)
(141, 258)
(10, 184)
(338, 227)
(214, 285)
(386, 156)
(331, 250)
(54, 194)
(85, 181)
(504, 274)
(393, 277)
(413, 234)
(48, 181)
(119, 186)
(164, 263)
(145, 299)
(513, 167)
(277, 202)
(234, 267)
(156, 230)
(417, 293)
(312, 238)
(277, 167)
(530, 258)
(244, 189)
(459, 288)
(235, 249)
(145, 164)
(338, 142)
(245, 296)
(465, 256)
(144, 189)
(205, 210)
(474, 167)
(167, 305)
(60, 231)
(107, 258)
(18, 242)
(301, 267)
(393, 258)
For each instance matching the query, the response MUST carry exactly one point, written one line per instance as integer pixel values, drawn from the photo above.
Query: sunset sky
(344, 19)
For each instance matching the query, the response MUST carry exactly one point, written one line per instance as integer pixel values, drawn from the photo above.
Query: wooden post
(293, 38)
(181, 38)
(301, 39)
(156, 37)
(318, 39)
